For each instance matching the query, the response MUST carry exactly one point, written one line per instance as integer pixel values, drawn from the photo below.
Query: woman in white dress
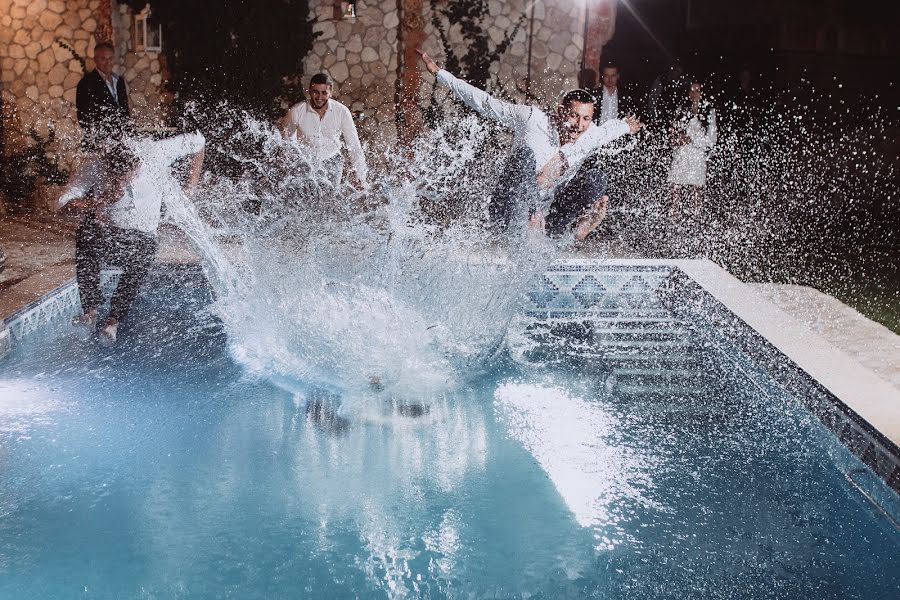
(692, 134)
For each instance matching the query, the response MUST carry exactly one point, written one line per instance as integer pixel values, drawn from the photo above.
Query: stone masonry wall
(361, 54)
(556, 47)
(38, 75)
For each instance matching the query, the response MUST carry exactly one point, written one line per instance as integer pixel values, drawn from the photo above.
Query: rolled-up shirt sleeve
(593, 138)
(511, 115)
(351, 139)
(85, 177)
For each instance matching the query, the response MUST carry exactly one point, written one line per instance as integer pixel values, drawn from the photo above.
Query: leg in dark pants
(134, 251)
(575, 198)
(515, 188)
(91, 246)
(97, 246)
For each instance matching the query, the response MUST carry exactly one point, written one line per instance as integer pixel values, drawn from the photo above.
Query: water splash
(346, 290)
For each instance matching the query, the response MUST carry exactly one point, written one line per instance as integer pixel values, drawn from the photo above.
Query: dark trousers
(97, 246)
(575, 197)
(516, 191)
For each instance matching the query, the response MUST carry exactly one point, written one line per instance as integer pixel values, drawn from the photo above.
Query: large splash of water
(356, 291)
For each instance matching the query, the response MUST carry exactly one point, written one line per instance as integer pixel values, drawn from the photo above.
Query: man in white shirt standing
(130, 183)
(320, 122)
(547, 149)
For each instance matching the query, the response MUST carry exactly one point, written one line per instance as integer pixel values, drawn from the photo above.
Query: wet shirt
(141, 202)
(531, 126)
(323, 134)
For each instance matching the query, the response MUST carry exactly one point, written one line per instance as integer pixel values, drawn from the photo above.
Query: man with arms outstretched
(547, 150)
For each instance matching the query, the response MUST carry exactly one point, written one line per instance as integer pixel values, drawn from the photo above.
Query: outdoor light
(351, 9)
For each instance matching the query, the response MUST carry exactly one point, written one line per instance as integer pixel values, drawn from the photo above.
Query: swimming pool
(632, 446)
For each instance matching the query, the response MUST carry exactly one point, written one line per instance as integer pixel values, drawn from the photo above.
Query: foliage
(21, 171)
(475, 65)
(470, 16)
(246, 52)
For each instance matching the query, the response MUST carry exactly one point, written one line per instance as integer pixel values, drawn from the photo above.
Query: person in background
(321, 123)
(693, 134)
(101, 102)
(611, 102)
(666, 95)
(121, 219)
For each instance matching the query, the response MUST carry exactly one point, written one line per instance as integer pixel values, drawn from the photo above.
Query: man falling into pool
(130, 184)
(549, 155)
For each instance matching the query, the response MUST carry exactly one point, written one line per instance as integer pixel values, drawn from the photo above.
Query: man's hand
(634, 124)
(592, 219)
(432, 66)
(552, 171)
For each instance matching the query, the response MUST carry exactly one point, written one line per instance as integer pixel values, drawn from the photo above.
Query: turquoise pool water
(637, 468)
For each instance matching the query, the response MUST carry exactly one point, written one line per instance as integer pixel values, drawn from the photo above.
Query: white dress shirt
(112, 84)
(140, 205)
(609, 105)
(323, 134)
(531, 126)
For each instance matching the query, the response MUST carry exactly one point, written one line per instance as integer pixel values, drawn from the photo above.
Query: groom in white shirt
(320, 123)
(130, 182)
(548, 156)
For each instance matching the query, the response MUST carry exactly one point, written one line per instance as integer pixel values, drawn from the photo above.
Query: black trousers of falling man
(98, 245)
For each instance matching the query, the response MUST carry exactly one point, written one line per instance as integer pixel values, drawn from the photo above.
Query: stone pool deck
(39, 258)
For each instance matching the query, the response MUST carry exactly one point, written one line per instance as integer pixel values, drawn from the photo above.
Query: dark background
(835, 62)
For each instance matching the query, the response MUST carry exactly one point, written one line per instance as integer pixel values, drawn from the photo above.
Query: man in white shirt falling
(130, 183)
(548, 156)
(320, 122)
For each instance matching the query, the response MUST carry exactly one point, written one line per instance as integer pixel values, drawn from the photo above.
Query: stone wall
(361, 53)
(555, 52)
(38, 75)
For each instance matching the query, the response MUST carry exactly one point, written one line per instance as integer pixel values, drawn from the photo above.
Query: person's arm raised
(599, 135)
(480, 101)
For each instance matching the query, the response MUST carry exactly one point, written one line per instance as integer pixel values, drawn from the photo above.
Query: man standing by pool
(320, 122)
(121, 219)
(101, 102)
(548, 154)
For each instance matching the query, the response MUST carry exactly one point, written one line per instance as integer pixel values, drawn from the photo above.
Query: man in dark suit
(611, 101)
(101, 100)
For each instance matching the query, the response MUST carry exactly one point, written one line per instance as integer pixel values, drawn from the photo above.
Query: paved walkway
(40, 257)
